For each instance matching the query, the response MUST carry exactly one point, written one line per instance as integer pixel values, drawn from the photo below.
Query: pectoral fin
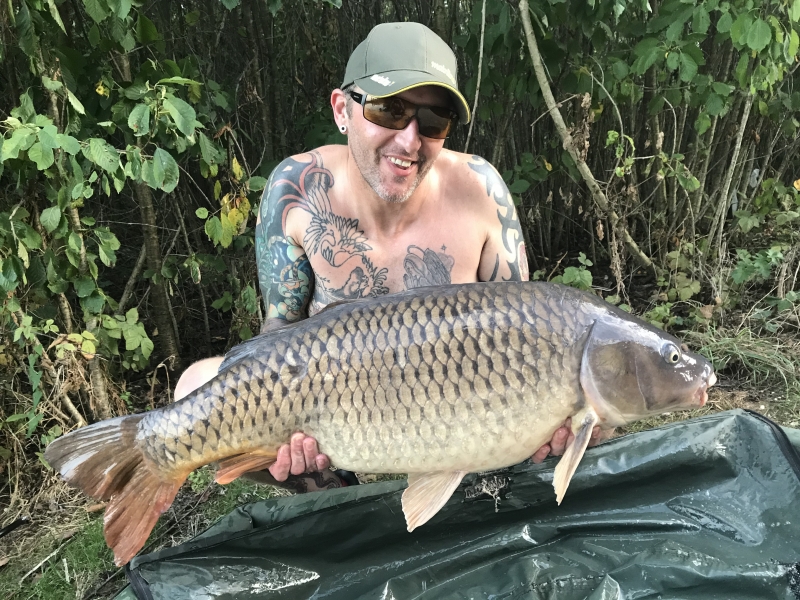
(426, 494)
(236, 466)
(582, 425)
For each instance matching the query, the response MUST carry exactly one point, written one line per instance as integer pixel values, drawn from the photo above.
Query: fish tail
(105, 462)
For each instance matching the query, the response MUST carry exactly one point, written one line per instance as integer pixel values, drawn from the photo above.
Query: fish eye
(671, 353)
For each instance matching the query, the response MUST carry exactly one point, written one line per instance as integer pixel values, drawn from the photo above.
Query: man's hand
(300, 455)
(563, 437)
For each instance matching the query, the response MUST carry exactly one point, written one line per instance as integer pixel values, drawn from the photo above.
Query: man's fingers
(298, 455)
(323, 462)
(310, 452)
(559, 441)
(280, 468)
(541, 454)
(601, 435)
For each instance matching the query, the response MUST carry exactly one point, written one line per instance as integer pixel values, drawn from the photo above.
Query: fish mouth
(702, 392)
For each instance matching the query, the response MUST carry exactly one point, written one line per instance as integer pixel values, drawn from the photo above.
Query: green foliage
(578, 277)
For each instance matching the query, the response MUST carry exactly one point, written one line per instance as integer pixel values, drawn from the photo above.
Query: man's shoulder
(323, 157)
(470, 176)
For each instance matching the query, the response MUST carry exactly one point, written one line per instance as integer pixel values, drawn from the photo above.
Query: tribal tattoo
(513, 239)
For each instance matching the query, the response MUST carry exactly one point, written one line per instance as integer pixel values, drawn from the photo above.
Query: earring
(343, 128)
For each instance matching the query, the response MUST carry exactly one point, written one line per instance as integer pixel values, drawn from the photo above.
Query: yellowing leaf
(796, 185)
(102, 90)
(235, 217)
(548, 166)
(237, 170)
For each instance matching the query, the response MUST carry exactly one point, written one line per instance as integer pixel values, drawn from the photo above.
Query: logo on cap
(384, 81)
(443, 69)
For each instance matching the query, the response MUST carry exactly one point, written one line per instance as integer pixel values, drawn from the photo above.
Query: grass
(90, 571)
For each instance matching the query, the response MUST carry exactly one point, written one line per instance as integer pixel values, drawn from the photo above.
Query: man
(390, 211)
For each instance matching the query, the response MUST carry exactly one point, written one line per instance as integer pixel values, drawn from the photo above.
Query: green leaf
(166, 166)
(740, 28)
(644, 62)
(48, 136)
(688, 67)
(21, 139)
(107, 238)
(28, 40)
(703, 123)
(146, 31)
(675, 30)
(107, 256)
(41, 155)
(700, 20)
(230, 4)
(213, 229)
(139, 120)
(51, 85)
(794, 43)
(209, 150)
(759, 36)
(180, 80)
(182, 113)
(620, 70)
(74, 241)
(84, 286)
(147, 347)
(794, 11)
(75, 103)
(519, 186)
(97, 9)
(673, 60)
(202, 213)
(715, 105)
(68, 143)
(103, 154)
(723, 89)
(724, 23)
(50, 218)
(256, 184)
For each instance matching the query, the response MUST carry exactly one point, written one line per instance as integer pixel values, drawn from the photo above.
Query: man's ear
(339, 106)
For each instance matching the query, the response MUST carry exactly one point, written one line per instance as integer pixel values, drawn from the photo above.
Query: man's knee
(196, 375)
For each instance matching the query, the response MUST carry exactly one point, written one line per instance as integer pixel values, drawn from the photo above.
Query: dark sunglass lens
(432, 124)
(386, 112)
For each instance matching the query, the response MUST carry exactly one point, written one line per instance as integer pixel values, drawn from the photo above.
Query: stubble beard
(369, 165)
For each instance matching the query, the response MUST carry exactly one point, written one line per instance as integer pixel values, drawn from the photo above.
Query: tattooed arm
(286, 281)
(284, 271)
(503, 257)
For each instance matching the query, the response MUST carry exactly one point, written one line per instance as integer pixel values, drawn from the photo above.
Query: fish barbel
(432, 382)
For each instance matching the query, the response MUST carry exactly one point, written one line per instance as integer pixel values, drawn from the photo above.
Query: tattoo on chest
(513, 239)
(285, 270)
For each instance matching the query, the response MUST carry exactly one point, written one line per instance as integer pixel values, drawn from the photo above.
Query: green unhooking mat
(706, 508)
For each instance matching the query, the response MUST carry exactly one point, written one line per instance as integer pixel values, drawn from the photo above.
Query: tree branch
(569, 145)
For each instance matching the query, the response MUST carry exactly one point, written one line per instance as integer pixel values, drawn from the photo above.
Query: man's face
(382, 154)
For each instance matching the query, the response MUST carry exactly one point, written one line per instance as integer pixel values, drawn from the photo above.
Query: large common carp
(433, 382)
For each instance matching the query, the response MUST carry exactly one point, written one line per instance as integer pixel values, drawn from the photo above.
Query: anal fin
(582, 424)
(426, 494)
(235, 466)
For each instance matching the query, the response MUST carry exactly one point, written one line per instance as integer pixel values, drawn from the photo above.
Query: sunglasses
(395, 113)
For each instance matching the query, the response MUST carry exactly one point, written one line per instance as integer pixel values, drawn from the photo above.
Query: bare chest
(349, 263)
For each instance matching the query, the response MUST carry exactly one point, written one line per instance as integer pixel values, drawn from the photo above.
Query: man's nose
(408, 138)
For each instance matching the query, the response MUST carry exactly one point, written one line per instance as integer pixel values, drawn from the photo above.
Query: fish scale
(433, 382)
(443, 380)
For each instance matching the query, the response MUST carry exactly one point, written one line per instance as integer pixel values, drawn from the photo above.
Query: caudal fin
(104, 462)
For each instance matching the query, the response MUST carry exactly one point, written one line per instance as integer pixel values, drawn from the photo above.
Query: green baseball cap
(397, 57)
